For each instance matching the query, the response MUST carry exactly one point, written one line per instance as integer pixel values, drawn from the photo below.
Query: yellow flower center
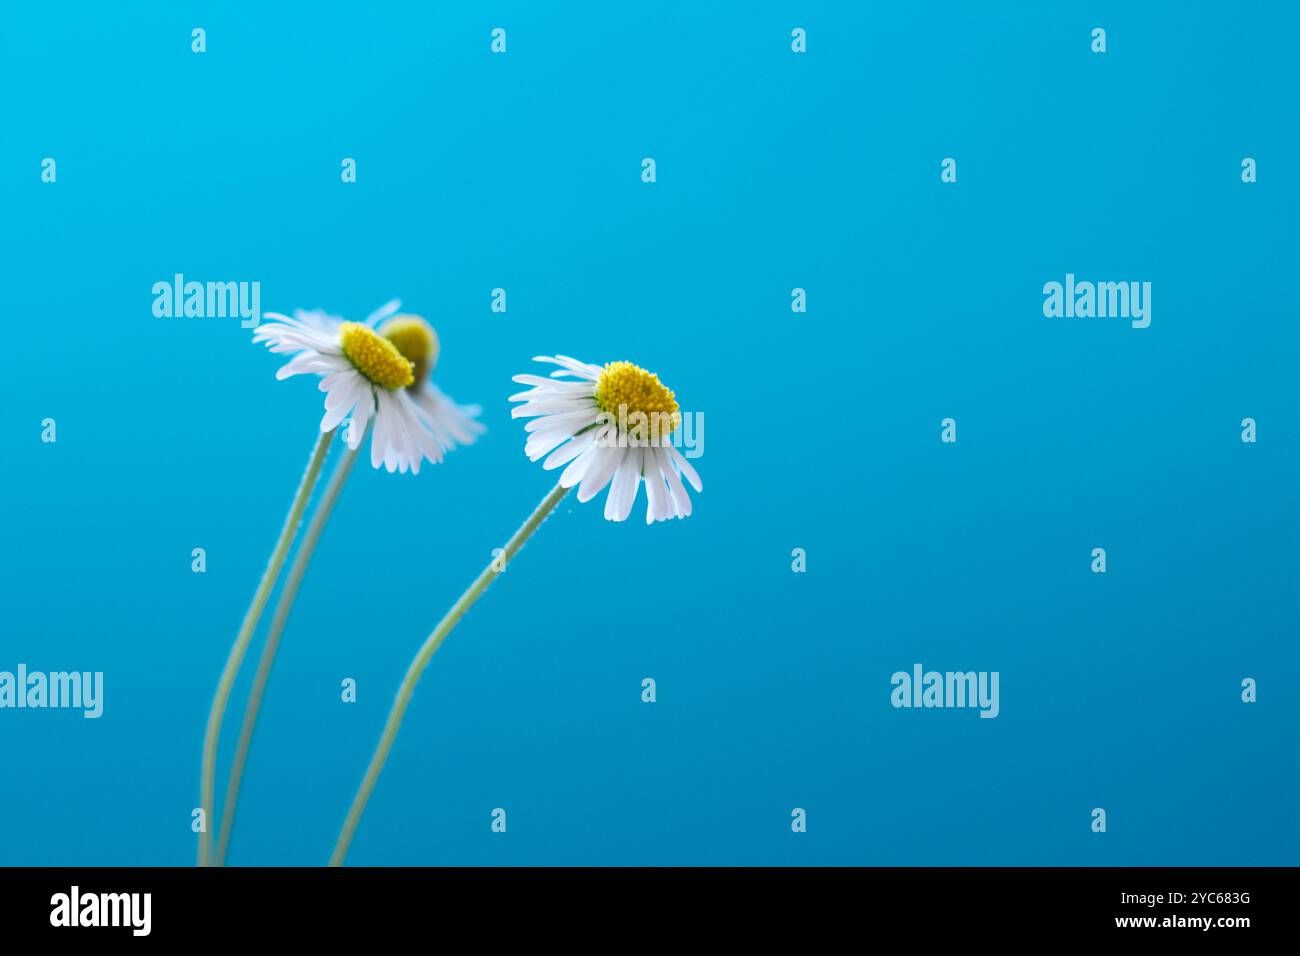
(375, 357)
(416, 340)
(638, 400)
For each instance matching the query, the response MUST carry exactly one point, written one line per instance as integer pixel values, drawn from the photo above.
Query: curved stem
(431, 645)
(207, 785)
(284, 604)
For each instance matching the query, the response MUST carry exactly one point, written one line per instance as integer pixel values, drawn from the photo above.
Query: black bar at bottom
(331, 906)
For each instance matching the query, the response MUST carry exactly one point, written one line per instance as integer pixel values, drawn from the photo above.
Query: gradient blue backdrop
(822, 430)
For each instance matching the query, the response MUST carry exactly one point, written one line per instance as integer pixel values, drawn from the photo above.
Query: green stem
(251, 617)
(283, 606)
(431, 645)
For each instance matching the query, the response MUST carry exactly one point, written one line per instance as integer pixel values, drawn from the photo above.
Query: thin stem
(251, 617)
(284, 605)
(431, 645)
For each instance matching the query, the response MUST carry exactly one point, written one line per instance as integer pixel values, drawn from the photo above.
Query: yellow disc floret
(637, 400)
(375, 357)
(416, 340)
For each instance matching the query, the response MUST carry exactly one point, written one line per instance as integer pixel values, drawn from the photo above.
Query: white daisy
(450, 423)
(364, 375)
(608, 426)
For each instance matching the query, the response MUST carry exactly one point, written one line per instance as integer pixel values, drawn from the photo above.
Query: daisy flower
(610, 426)
(365, 375)
(450, 423)
(380, 373)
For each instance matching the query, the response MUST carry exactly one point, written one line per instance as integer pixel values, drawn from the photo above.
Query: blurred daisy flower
(608, 426)
(450, 423)
(366, 375)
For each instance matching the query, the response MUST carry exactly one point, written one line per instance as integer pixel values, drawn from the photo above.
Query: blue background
(775, 170)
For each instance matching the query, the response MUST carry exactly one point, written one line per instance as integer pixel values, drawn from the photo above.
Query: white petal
(543, 443)
(551, 385)
(423, 440)
(450, 423)
(379, 440)
(571, 366)
(566, 406)
(685, 467)
(343, 398)
(384, 311)
(339, 386)
(301, 363)
(360, 418)
(622, 492)
(601, 471)
(577, 469)
(658, 506)
(584, 369)
(573, 422)
(681, 499)
(570, 451)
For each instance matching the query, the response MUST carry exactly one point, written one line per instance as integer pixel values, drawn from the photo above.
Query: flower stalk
(212, 736)
(297, 570)
(421, 661)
